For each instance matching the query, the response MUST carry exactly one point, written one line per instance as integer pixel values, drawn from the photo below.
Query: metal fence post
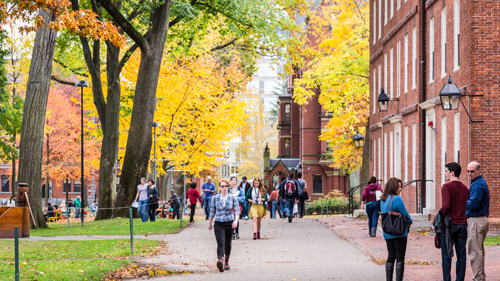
(328, 208)
(131, 230)
(16, 250)
(321, 204)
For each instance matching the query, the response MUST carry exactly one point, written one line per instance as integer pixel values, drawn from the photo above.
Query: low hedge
(336, 205)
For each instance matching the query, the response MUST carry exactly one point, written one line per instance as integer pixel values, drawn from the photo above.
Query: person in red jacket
(193, 195)
(372, 209)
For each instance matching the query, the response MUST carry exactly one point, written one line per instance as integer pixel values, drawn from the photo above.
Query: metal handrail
(350, 193)
(421, 194)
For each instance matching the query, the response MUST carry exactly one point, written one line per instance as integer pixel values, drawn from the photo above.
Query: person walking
(193, 196)
(369, 197)
(477, 211)
(396, 244)
(175, 204)
(152, 200)
(274, 202)
(303, 196)
(142, 195)
(244, 186)
(289, 195)
(235, 190)
(208, 190)
(257, 199)
(454, 197)
(78, 205)
(225, 211)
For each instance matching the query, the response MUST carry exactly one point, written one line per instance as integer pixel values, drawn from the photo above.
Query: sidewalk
(423, 260)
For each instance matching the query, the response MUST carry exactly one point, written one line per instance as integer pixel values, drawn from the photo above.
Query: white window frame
(380, 19)
(443, 42)
(456, 137)
(391, 72)
(391, 154)
(374, 157)
(379, 77)
(456, 35)
(374, 22)
(398, 70)
(391, 9)
(414, 151)
(405, 65)
(397, 150)
(385, 12)
(443, 147)
(380, 158)
(414, 57)
(375, 90)
(431, 50)
(385, 158)
(405, 145)
(399, 5)
(385, 72)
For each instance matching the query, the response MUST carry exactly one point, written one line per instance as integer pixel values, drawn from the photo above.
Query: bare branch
(223, 46)
(61, 81)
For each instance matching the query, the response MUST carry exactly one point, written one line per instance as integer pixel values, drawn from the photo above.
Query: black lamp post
(155, 125)
(358, 140)
(82, 84)
(451, 97)
(383, 100)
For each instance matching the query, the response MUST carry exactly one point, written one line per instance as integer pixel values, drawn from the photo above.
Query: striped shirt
(224, 212)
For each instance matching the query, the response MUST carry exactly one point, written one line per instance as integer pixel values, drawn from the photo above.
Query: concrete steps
(420, 221)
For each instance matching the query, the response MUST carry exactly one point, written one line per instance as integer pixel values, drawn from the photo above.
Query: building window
(385, 156)
(380, 19)
(431, 51)
(385, 12)
(443, 42)
(374, 22)
(399, 5)
(379, 158)
(456, 33)
(406, 63)
(374, 156)
(405, 179)
(67, 185)
(287, 112)
(318, 184)
(379, 77)
(456, 137)
(397, 151)
(77, 186)
(398, 71)
(414, 57)
(287, 148)
(391, 8)
(5, 183)
(374, 90)
(391, 154)
(391, 71)
(385, 72)
(261, 86)
(414, 151)
(443, 147)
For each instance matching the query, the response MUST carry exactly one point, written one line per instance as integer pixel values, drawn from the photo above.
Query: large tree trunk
(111, 132)
(140, 134)
(35, 105)
(365, 164)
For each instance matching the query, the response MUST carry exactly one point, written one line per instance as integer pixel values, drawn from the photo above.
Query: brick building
(300, 149)
(415, 45)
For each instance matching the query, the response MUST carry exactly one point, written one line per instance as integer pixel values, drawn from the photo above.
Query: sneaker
(237, 236)
(220, 264)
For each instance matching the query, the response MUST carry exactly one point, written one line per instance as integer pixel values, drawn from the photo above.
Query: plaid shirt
(224, 212)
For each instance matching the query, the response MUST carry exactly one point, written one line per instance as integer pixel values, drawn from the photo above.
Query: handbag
(188, 201)
(304, 194)
(393, 222)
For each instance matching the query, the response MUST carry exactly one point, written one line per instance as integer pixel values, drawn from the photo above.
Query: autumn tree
(338, 68)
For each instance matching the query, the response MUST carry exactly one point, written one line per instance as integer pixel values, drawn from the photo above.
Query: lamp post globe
(450, 96)
(358, 140)
(383, 101)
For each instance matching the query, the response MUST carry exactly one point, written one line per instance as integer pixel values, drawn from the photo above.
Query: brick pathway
(423, 260)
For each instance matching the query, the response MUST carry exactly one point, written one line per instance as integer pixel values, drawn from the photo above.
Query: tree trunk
(35, 105)
(139, 140)
(365, 164)
(111, 133)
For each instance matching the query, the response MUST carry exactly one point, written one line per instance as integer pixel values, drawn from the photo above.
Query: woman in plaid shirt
(225, 211)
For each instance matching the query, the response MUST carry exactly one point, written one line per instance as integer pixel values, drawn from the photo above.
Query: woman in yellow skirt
(257, 199)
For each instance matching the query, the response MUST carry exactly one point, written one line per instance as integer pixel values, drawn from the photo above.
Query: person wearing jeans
(244, 187)
(289, 200)
(142, 195)
(274, 202)
(396, 244)
(193, 196)
(208, 189)
(370, 199)
(454, 198)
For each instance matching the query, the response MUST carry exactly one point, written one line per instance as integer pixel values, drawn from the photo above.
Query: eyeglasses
(223, 185)
(471, 171)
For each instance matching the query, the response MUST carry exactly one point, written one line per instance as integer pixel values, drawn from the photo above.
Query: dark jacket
(369, 193)
(478, 203)
(442, 226)
(247, 186)
(283, 191)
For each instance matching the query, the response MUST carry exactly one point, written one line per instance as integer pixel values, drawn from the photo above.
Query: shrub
(331, 205)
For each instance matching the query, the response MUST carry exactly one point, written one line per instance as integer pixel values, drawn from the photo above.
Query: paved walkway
(302, 250)
(423, 260)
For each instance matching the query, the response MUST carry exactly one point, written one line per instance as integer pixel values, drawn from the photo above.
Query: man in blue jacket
(477, 211)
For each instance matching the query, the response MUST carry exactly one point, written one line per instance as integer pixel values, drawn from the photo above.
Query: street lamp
(155, 125)
(451, 97)
(383, 100)
(82, 84)
(358, 140)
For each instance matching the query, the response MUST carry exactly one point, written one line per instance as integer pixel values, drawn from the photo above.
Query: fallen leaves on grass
(141, 270)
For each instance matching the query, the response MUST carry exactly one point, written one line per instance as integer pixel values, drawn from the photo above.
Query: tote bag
(393, 222)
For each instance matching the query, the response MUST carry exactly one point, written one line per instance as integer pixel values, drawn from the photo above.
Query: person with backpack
(303, 195)
(257, 200)
(225, 211)
(289, 195)
(372, 208)
(193, 196)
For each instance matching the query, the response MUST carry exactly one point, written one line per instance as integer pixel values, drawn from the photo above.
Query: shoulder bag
(393, 222)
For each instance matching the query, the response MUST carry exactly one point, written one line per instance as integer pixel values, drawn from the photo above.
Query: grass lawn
(118, 226)
(492, 241)
(48, 260)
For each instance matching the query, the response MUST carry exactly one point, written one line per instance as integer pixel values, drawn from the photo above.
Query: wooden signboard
(11, 217)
